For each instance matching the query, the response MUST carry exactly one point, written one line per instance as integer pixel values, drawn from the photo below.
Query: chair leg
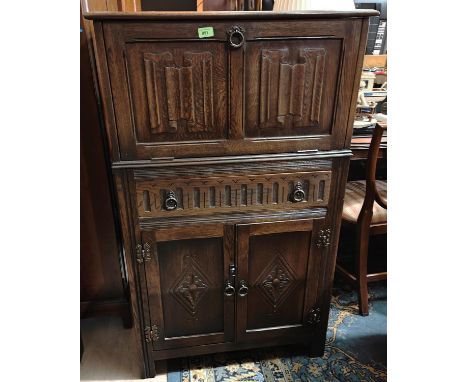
(362, 247)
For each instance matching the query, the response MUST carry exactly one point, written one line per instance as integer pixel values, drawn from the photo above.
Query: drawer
(235, 188)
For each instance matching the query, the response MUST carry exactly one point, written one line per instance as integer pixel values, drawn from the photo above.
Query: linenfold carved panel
(291, 87)
(179, 95)
(178, 91)
(291, 93)
(205, 195)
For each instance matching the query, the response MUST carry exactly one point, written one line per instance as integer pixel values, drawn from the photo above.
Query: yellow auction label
(205, 32)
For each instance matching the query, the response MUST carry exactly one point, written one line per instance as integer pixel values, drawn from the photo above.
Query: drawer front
(227, 189)
(289, 87)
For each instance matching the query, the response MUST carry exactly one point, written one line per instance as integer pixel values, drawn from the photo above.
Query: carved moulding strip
(177, 162)
(233, 168)
(239, 217)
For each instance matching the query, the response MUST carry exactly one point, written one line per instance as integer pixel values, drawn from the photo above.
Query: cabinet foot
(127, 319)
(316, 350)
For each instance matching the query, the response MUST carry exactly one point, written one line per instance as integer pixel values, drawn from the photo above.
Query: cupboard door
(186, 278)
(278, 278)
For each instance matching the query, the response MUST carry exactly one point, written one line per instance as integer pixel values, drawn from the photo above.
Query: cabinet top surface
(268, 15)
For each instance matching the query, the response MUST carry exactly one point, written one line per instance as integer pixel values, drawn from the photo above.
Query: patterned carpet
(356, 350)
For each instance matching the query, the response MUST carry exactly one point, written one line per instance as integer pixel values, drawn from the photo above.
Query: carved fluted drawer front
(199, 195)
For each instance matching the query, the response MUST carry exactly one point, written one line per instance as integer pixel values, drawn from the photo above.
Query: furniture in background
(365, 212)
(313, 5)
(229, 156)
(179, 5)
(103, 288)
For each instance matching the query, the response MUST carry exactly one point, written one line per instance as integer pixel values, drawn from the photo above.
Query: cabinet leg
(150, 370)
(316, 349)
(81, 347)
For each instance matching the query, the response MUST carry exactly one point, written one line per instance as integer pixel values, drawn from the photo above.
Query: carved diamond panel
(191, 286)
(277, 281)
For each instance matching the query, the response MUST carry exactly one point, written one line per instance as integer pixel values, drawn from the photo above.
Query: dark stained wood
(239, 15)
(138, 299)
(273, 261)
(205, 195)
(185, 282)
(181, 89)
(171, 96)
(364, 228)
(227, 182)
(291, 87)
(102, 284)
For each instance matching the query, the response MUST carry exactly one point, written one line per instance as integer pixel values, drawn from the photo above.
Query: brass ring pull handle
(171, 202)
(229, 291)
(243, 290)
(298, 193)
(236, 37)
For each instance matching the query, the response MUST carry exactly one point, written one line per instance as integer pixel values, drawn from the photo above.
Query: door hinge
(323, 239)
(151, 333)
(143, 253)
(313, 316)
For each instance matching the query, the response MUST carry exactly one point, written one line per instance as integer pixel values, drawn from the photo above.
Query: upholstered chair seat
(354, 199)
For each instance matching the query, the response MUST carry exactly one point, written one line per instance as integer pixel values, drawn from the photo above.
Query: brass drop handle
(229, 291)
(298, 193)
(171, 202)
(243, 289)
(236, 37)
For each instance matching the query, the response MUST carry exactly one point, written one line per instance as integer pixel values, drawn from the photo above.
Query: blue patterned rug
(356, 350)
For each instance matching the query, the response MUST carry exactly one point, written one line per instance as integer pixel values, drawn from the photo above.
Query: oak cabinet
(229, 155)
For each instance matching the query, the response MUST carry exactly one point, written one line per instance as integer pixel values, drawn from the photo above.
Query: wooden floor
(109, 352)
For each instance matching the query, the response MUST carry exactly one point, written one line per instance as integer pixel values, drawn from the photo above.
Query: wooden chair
(365, 212)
